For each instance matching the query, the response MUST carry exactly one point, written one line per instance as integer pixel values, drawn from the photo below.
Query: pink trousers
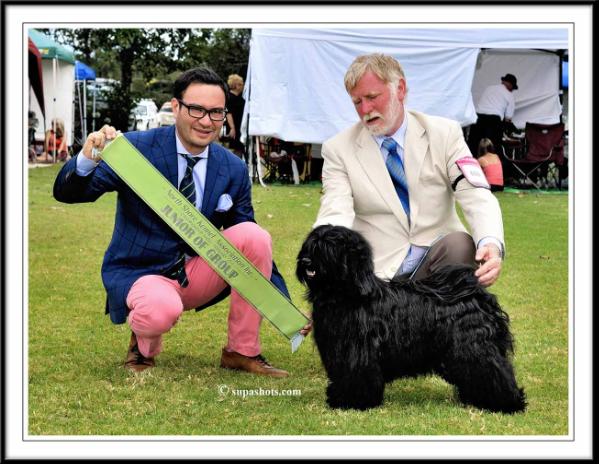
(156, 302)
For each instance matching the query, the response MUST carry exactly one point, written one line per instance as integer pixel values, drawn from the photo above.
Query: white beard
(387, 121)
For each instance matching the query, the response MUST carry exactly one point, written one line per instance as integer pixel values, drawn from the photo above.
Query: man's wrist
(85, 166)
(492, 241)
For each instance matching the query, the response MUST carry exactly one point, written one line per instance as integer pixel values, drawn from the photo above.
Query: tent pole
(54, 66)
(250, 164)
(72, 123)
(258, 161)
(84, 111)
(94, 109)
(77, 82)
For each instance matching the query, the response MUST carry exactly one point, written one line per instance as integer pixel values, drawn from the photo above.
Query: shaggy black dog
(369, 331)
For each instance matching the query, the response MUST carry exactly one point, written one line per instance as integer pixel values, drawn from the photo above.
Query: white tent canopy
(295, 76)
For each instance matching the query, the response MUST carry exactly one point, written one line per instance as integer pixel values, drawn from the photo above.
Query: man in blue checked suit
(151, 276)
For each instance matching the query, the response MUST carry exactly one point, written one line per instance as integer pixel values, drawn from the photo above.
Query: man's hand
(306, 329)
(489, 258)
(98, 140)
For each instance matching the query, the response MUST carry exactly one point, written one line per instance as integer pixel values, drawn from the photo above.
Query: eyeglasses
(198, 112)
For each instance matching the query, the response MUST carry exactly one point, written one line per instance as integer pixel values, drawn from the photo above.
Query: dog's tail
(457, 289)
(450, 284)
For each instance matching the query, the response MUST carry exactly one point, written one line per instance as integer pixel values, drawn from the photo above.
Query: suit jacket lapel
(215, 172)
(416, 146)
(166, 157)
(370, 158)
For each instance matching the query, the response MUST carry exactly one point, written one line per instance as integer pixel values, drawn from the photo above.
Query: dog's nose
(306, 262)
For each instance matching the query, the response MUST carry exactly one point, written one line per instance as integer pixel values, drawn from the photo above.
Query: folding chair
(305, 176)
(539, 156)
(276, 162)
(266, 170)
(301, 157)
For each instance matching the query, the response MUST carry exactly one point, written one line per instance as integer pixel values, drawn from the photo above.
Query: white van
(146, 115)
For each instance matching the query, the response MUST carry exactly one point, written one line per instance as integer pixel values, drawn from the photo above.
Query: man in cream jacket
(406, 207)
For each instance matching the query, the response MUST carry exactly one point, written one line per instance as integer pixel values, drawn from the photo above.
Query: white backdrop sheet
(295, 78)
(538, 73)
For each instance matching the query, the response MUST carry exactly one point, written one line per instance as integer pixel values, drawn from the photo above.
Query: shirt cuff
(486, 240)
(413, 259)
(85, 166)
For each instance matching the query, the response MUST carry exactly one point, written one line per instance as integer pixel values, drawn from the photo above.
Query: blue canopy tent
(84, 73)
(565, 78)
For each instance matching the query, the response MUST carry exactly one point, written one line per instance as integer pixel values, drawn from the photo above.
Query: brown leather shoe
(255, 364)
(135, 360)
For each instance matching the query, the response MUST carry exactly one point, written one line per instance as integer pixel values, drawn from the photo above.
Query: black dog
(369, 331)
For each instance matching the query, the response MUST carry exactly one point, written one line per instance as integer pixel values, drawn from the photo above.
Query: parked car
(165, 115)
(100, 89)
(146, 115)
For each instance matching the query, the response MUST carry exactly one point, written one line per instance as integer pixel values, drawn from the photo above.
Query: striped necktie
(188, 190)
(398, 175)
(187, 187)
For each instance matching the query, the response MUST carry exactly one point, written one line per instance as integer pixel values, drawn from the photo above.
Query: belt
(177, 272)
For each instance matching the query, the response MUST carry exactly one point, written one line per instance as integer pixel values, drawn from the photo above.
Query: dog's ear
(367, 285)
(338, 256)
(332, 262)
(359, 265)
(360, 251)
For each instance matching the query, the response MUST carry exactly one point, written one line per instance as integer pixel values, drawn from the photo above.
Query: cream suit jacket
(359, 193)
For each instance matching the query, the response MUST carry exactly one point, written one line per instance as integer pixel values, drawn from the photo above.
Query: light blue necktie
(398, 174)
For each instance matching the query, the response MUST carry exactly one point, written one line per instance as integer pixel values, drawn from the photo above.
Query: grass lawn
(77, 385)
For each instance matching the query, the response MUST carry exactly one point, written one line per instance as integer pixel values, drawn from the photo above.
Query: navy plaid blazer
(142, 243)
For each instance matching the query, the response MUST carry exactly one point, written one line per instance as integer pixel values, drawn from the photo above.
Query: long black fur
(369, 331)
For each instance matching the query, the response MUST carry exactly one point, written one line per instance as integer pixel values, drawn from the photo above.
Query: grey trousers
(453, 248)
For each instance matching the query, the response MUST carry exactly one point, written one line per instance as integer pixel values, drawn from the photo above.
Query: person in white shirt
(495, 107)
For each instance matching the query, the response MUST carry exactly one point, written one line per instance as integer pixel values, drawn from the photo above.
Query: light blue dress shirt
(415, 253)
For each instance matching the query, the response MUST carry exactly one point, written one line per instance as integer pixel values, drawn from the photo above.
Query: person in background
(55, 143)
(490, 164)
(495, 108)
(32, 126)
(235, 105)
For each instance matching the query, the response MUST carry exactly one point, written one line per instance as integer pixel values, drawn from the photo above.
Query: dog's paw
(361, 404)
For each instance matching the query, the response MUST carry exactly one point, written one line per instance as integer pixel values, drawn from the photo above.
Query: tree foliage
(146, 61)
(224, 50)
